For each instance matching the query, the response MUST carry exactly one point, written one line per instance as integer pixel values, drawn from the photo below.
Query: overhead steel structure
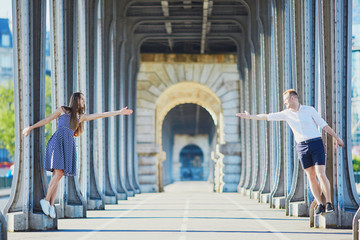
(96, 46)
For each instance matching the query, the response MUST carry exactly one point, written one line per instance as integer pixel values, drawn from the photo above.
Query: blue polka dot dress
(61, 149)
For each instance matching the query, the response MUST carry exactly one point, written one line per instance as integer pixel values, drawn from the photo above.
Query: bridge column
(3, 227)
(126, 68)
(63, 33)
(132, 121)
(106, 77)
(249, 77)
(119, 103)
(115, 48)
(297, 203)
(281, 135)
(123, 101)
(261, 86)
(87, 36)
(29, 183)
(134, 69)
(335, 53)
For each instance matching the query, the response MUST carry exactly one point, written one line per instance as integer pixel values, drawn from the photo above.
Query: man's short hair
(292, 92)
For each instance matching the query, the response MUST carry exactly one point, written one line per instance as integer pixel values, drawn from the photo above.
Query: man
(303, 121)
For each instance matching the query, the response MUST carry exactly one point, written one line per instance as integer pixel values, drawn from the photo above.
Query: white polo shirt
(303, 123)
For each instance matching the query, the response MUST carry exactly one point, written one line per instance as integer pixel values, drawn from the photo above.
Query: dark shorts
(311, 152)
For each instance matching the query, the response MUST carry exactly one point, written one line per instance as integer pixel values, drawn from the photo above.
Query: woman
(61, 151)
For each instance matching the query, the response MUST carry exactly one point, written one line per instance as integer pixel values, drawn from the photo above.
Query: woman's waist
(65, 127)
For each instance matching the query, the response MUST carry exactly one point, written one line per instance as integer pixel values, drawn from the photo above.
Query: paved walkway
(187, 211)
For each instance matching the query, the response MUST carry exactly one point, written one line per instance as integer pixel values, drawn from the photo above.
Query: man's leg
(314, 185)
(324, 181)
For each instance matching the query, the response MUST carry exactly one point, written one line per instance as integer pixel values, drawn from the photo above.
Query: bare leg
(314, 185)
(324, 181)
(53, 196)
(54, 183)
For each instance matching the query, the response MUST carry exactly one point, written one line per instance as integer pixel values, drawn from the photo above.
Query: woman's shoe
(52, 213)
(45, 206)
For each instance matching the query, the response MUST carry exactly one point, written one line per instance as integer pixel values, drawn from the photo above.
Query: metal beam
(165, 9)
(204, 27)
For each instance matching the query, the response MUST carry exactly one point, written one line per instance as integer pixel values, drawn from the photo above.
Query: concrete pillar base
(95, 204)
(110, 199)
(298, 209)
(148, 188)
(121, 196)
(131, 193)
(255, 195)
(278, 202)
(242, 191)
(265, 198)
(330, 220)
(36, 222)
(74, 211)
(247, 192)
(137, 191)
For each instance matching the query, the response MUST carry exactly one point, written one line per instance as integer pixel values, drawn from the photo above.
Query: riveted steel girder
(29, 183)
(64, 38)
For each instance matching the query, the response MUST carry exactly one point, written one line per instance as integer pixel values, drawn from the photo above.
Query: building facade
(6, 51)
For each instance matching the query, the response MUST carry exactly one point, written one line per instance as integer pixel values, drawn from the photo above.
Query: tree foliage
(356, 163)
(48, 108)
(7, 115)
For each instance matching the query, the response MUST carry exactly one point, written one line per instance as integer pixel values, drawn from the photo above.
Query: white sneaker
(45, 206)
(52, 213)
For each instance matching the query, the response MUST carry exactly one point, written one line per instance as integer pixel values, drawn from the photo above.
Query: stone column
(231, 160)
(87, 59)
(147, 155)
(64, 55)
(217, 157)
(29, 183)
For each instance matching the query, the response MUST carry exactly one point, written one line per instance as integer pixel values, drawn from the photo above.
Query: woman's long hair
(75, 111)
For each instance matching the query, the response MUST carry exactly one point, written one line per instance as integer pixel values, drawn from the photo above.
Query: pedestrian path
(187, 211)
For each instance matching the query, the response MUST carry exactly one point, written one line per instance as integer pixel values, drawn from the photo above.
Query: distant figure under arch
(191, 158)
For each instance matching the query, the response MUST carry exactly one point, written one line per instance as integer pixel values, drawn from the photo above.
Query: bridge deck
(187, 210)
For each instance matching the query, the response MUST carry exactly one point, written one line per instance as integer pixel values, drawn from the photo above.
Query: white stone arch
(167, 80)
(189, 92)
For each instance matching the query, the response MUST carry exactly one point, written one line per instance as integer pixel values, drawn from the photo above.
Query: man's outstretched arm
(330, 131)
(246, 115)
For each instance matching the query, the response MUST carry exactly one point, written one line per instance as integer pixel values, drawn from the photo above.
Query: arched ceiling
(191, 119)
(196, 26)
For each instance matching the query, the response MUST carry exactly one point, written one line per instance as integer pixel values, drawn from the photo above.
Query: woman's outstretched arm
(43, 122)
(89, 117)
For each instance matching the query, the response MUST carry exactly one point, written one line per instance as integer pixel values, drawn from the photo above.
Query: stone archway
(165, 81)
(189, 92)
